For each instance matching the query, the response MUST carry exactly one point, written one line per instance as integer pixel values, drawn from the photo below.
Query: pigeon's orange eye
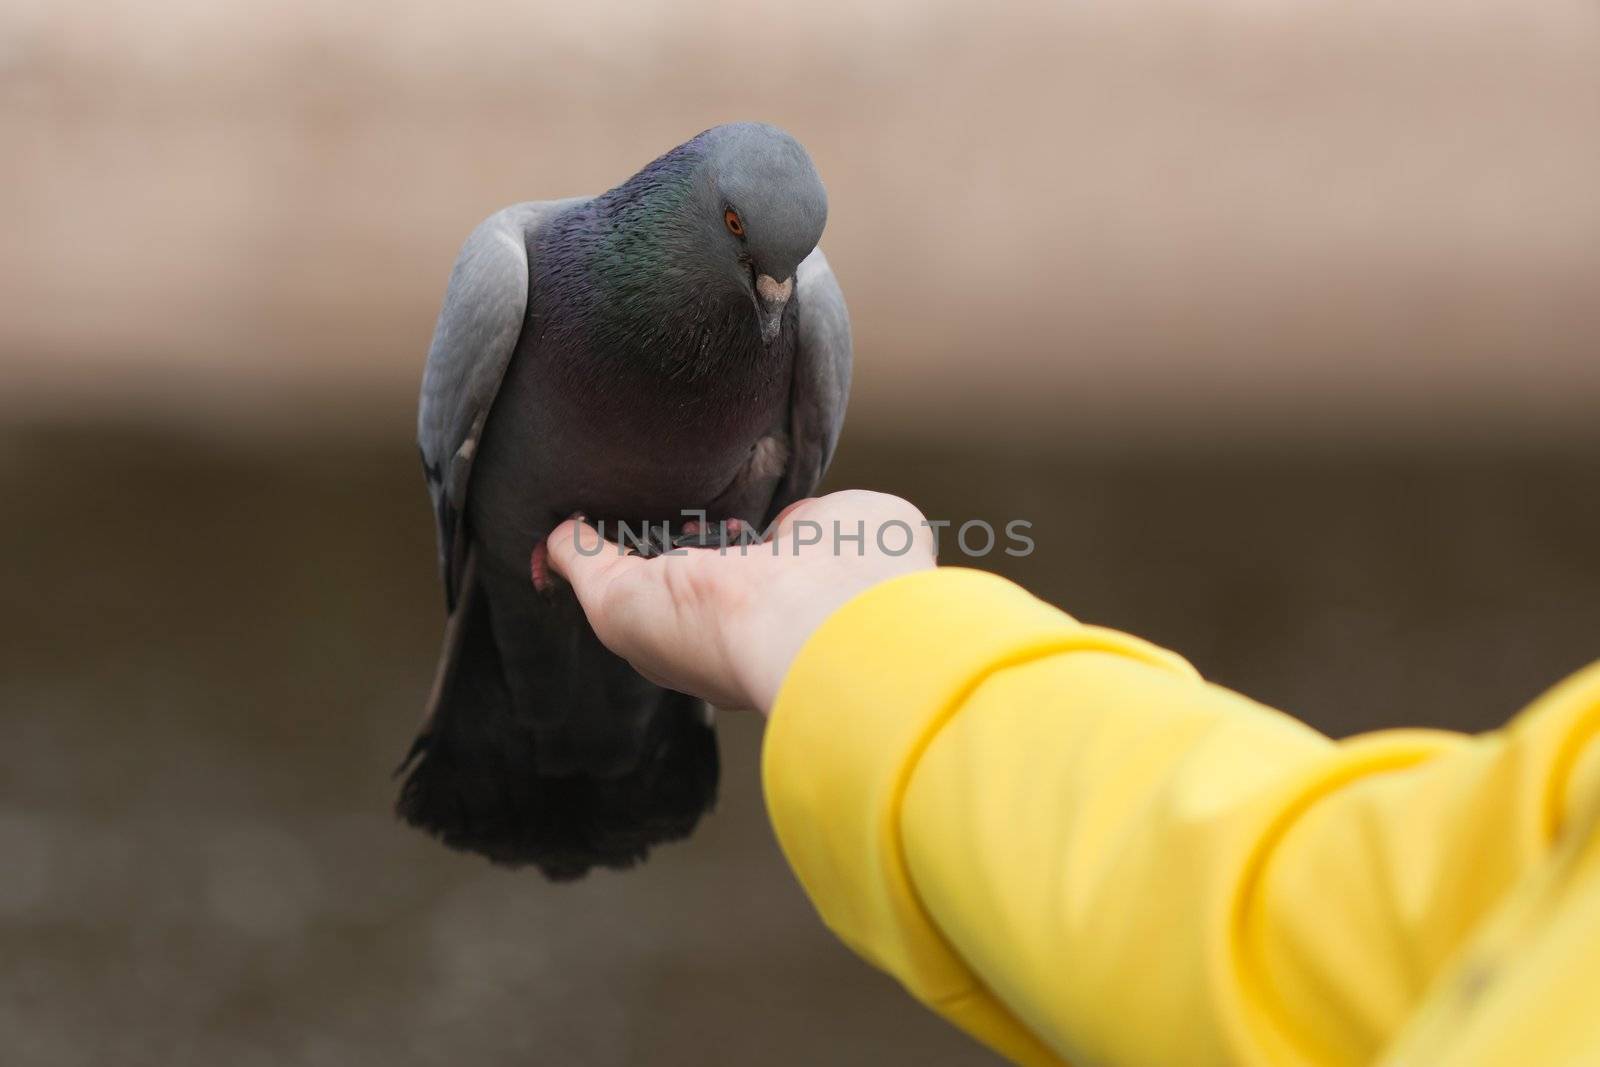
(735, 224)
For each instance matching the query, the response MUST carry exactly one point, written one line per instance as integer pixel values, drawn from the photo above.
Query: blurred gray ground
(212, 654)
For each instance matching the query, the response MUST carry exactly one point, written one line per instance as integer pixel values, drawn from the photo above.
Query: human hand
(726, 624)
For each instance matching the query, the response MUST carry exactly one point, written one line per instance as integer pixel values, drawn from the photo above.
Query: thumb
(784, 519)
(579, 554)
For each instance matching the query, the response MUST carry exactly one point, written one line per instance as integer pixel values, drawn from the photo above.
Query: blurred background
(1279, 320)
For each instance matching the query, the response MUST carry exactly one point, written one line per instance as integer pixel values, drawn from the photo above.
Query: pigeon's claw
(725, 534)
(659, 540)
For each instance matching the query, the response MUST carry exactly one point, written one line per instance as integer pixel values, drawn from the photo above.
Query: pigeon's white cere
(774, 292)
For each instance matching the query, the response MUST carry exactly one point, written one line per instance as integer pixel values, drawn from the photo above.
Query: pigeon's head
(762, 211)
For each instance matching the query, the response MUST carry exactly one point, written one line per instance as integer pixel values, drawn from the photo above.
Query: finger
(579, 554)
(780, 524)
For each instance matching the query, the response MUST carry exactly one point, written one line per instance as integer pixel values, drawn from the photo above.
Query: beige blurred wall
(1358, 217)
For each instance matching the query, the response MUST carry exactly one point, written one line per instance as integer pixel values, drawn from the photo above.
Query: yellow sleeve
(1064, 841)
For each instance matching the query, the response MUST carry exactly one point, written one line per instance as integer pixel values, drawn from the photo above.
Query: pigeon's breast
(626, 436)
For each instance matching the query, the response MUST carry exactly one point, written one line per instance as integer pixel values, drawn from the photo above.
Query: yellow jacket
(1065, 842)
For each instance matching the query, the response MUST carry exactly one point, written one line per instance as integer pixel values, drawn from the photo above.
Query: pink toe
(540, 566)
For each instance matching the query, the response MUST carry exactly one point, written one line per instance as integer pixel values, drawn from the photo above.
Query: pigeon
(675, 346)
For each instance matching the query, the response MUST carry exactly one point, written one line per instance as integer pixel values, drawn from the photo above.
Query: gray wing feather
(821, 380)
(477, 331)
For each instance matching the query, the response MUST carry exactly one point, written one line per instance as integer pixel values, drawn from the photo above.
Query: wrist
(772, 643)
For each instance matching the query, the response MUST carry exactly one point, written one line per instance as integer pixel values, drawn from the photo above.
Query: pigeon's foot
(725, 534)
(539, 566)
(649, 540)
(693, 535)
(658, 540)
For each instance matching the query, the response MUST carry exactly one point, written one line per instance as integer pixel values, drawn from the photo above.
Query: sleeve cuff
(865, 696)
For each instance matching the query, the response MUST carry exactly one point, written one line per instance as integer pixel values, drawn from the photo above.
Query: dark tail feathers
(472, 779)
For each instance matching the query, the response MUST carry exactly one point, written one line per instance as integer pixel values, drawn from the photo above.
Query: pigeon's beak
(771, 298)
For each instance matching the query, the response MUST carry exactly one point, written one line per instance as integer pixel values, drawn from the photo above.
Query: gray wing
(477, 331)
(821, 381)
